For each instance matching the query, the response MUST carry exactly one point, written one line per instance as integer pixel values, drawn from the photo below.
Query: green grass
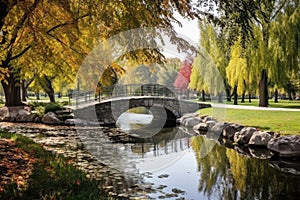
(52, 177)
(280, 104)
(286, 123)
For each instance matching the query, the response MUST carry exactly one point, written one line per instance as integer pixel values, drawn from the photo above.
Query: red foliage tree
(183, 78)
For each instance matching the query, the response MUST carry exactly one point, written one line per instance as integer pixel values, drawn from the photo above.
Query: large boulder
(204, 127)
(201, 127)
(260, 138)
(182, 119)
(231, 129)
(208, 118)
(219, 127)
(286, 146)
(16, 114)
(9, 113)
(243, 136)
(192, 121)
(51, 118)
(25, 116)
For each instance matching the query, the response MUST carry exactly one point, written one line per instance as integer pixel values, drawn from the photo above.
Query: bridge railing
(115, 91)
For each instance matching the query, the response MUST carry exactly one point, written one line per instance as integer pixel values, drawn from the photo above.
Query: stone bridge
(165, 110)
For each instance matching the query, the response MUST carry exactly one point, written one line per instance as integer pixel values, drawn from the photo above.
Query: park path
(219, 105)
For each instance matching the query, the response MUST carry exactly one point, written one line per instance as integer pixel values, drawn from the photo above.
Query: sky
(189, 31)
(189, 28)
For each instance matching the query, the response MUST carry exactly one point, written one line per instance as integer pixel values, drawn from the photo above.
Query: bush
(52, 107)
(40, 110)
(35, 104)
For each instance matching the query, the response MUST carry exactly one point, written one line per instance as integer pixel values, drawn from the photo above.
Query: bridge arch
(165, 111)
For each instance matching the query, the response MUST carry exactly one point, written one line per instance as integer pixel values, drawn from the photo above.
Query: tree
(31, 27)
(259, 19)
(183, 78)
(210, 63)
(236, 70)
(23, 32)
(167, 72)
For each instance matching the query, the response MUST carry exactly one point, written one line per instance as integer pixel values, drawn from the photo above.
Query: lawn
(286, 123)
(280, 104)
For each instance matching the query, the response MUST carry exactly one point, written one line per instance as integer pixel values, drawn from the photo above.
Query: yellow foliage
(238, 166)
(236, 70)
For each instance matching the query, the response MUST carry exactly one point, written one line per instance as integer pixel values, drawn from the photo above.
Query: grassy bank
(52, 177)
(286, 123)
(280, 104)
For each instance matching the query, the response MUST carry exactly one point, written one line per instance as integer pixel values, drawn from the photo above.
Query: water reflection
(226, 174)
(222, 174)
(203, 172)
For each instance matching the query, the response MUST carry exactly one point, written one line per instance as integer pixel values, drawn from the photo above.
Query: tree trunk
(276, 96)
(203, 95)
(50, 93)
(249, 98)
(37, 95)
(228, 96)
(3, 12)
(263, 89)
(188, 94)
(235, 96)
(12, 91)
(290, 95)
(24, 92)
(48, 88)
(24, 87)
(220, 97)
(243, 97)
(289, 89)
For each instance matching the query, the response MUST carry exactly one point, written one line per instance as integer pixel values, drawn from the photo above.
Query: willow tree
(284, 46)
(272, 52)
(236, 70)
(212, 59)
(268, 16)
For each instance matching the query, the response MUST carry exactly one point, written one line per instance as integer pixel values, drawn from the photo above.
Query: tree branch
(278, 10)
(29, 82)
(66, 23)
(21, 22)
(21, 53)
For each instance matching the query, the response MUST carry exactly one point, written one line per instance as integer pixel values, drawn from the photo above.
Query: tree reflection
(226, 174)
(215, 176)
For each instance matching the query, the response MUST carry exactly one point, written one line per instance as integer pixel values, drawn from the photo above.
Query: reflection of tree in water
(255, 179)
(213, 167)
(225, 174)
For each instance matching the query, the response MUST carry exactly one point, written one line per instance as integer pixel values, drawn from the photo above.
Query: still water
(177, 164)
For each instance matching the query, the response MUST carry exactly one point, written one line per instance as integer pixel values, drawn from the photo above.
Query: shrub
(40, 110)
(52, 107)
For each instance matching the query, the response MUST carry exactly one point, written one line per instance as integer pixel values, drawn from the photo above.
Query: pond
(179, 165)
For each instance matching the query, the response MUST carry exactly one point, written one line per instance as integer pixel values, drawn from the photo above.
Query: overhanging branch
(21, 53)
(65, 24)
